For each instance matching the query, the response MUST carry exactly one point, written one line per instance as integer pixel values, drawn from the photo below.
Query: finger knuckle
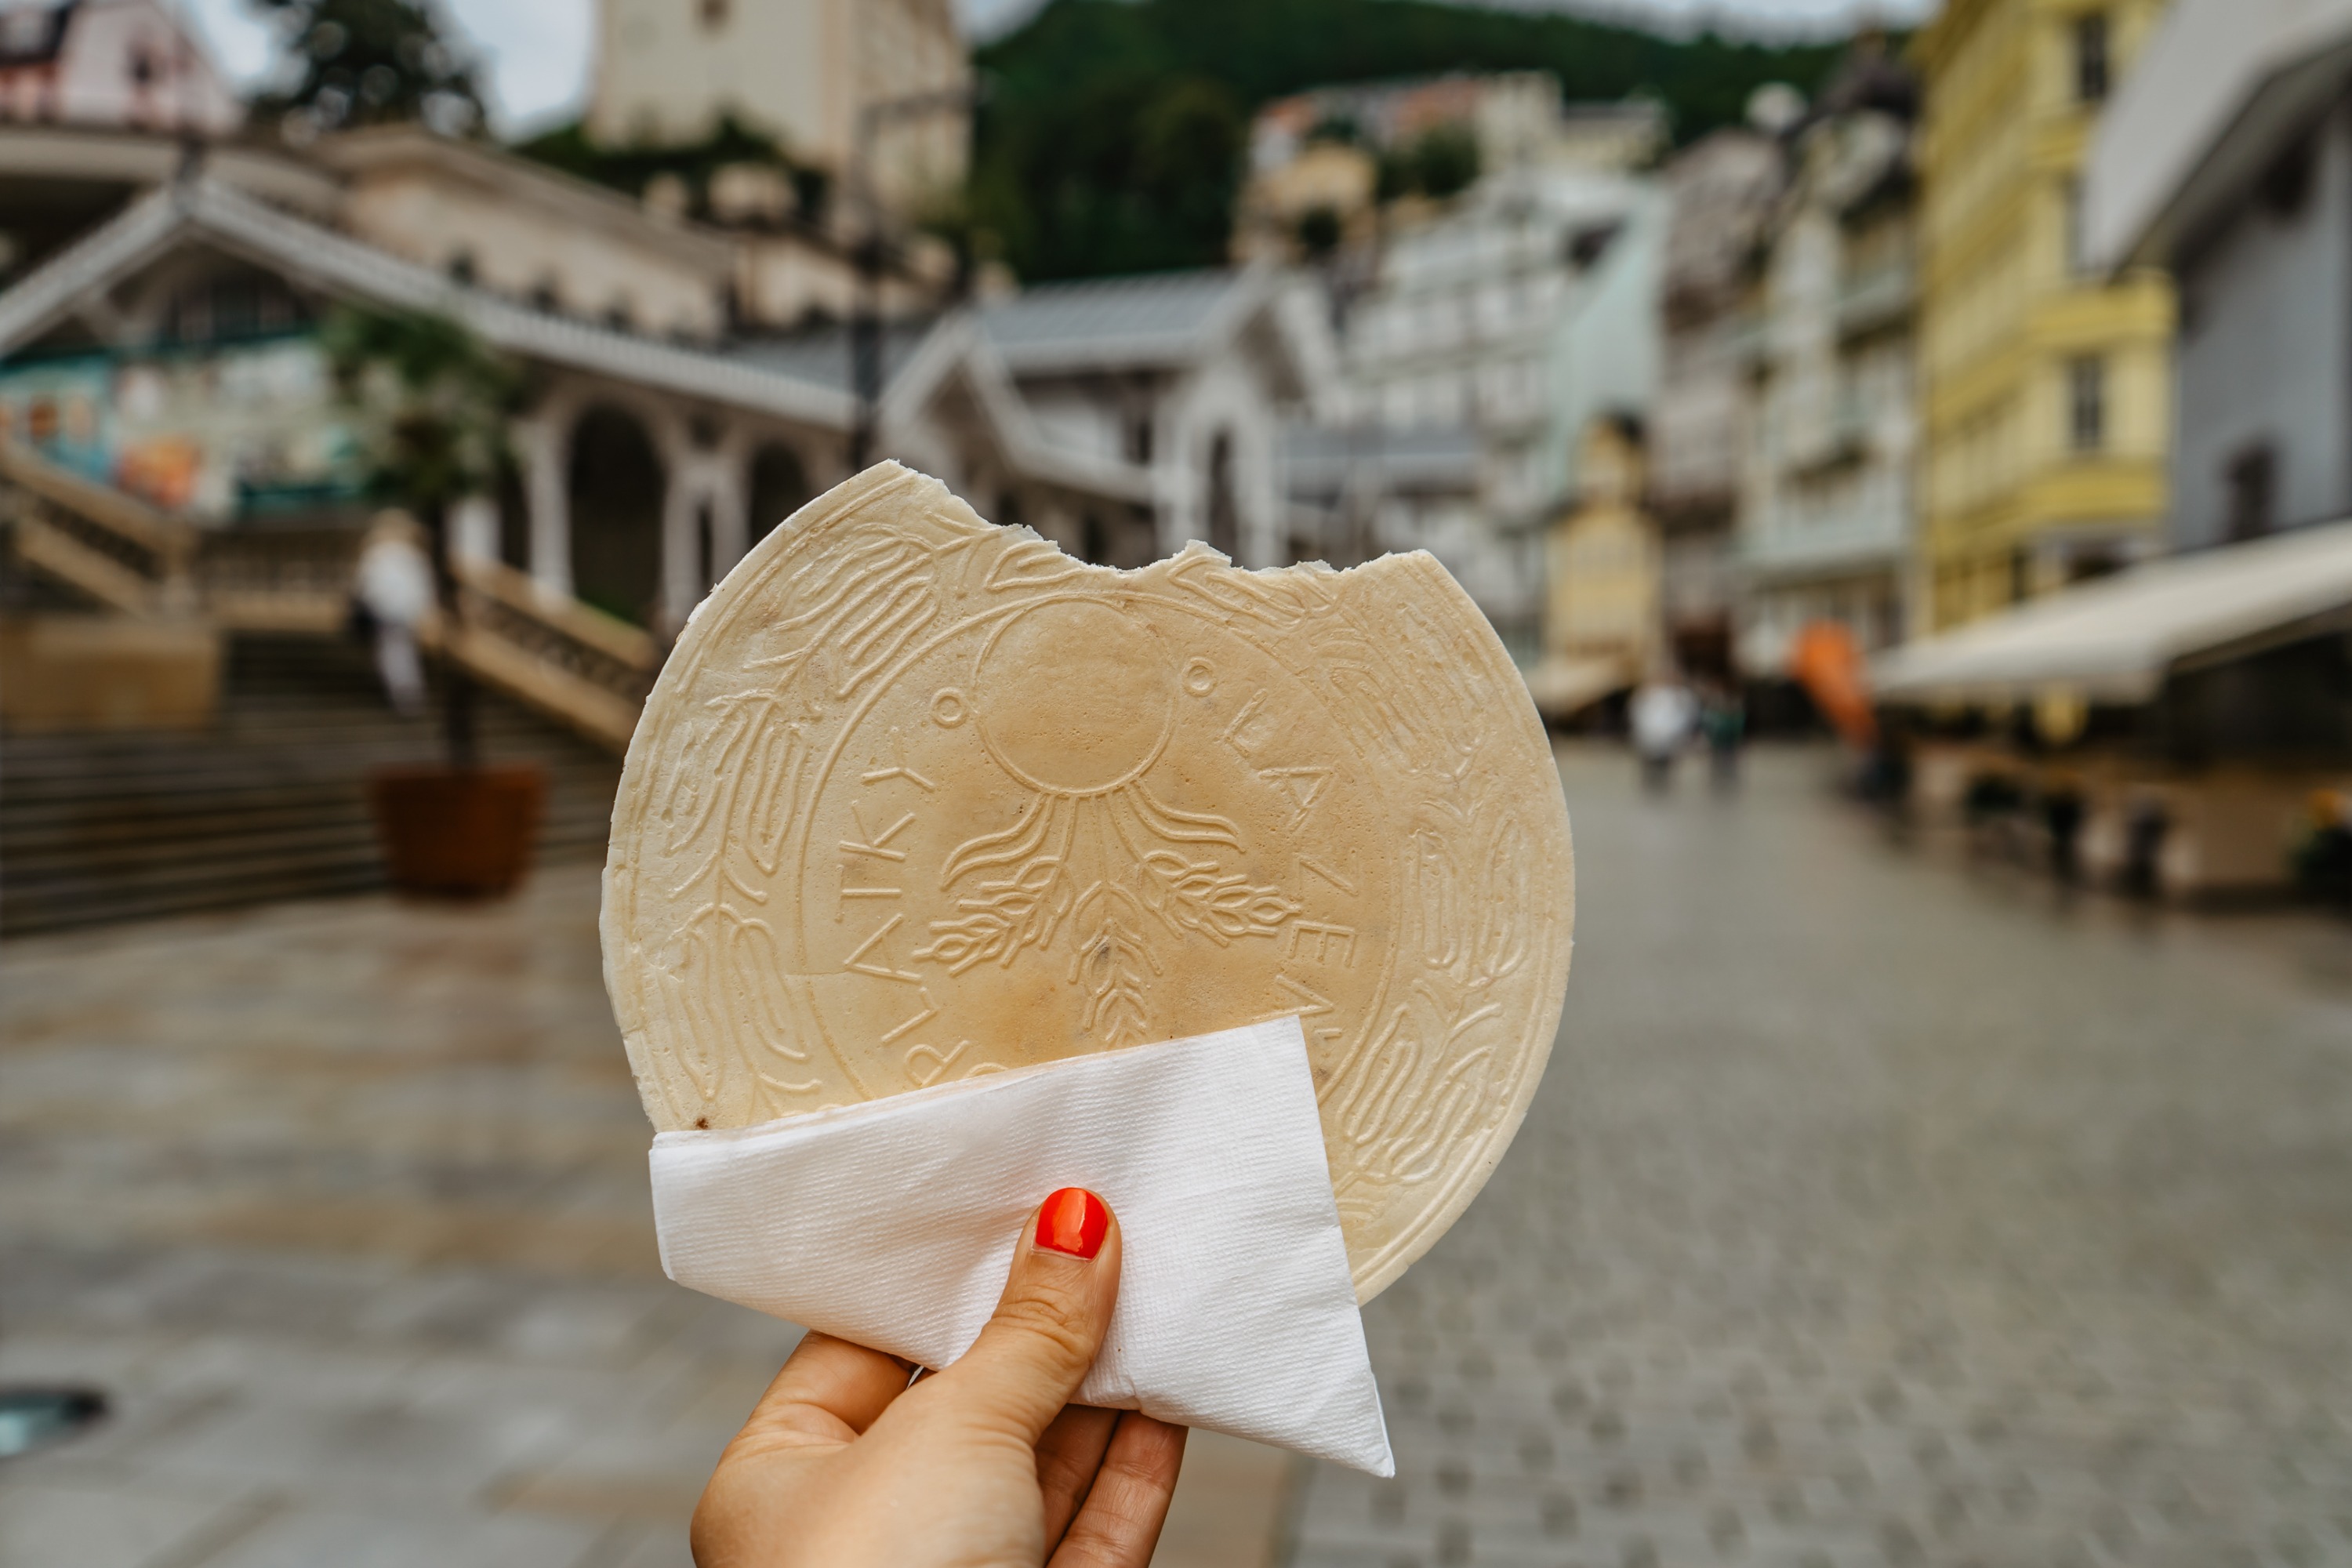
(1058, 1324)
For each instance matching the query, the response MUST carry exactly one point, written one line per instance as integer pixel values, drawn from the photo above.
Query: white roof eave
(338, 265)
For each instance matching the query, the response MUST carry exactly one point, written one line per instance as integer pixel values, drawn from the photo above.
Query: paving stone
(1871, 1213)
(353, 1229)
(44, 1524)
(351, 1539)
(1876, 1213)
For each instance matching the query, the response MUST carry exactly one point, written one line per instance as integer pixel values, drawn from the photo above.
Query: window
(714, 14)
(236, 308)
(2287, 183)
(2091, 57)
(1584, 245)
(2252, 481)
(2086, 403)
(2089, 565)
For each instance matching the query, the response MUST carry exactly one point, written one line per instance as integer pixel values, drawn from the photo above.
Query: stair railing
(128, 556)
(571, 661)
(577, 665)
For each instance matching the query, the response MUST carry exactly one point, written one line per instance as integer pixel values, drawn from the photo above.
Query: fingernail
(1074, 1221)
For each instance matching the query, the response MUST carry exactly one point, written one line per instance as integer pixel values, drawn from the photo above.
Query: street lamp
(874, 249)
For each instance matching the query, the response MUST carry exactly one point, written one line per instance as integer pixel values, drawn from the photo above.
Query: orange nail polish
(1074, 1221)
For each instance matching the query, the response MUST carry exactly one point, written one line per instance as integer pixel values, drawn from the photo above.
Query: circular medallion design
(918, 798)
(1070, 736)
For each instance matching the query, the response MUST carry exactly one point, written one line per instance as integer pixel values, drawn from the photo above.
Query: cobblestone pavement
(344, 1204)
(1873, 1212)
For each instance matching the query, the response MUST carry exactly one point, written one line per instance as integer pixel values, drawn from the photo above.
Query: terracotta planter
(458, 832)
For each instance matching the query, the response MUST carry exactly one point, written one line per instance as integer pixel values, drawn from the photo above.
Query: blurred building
(2185, 728)
(1603, 354)
(739, 257)
(1188, 378)
(2227, 159)
(162, 341)
(1719, 196)
(1514, 314)
(648, 461)
(1352, 484)
(1322, 163)
(831, 80)
(488, 217)
(109, 62)
(1601, 624)
(2046, 389)
(1826, 516)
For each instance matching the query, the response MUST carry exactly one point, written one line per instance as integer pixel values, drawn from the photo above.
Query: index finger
(829, 1390)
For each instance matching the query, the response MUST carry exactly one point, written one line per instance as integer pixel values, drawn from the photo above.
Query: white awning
(2115, 640)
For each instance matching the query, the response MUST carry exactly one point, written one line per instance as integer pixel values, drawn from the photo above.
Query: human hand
(985, 1465)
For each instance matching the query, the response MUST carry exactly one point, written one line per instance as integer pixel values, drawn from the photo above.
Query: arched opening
(1225, 518)
(780, 486)
(616, 486)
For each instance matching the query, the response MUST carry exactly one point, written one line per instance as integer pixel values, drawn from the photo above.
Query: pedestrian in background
(1723, 720)
(392, 593)
(1661, 713)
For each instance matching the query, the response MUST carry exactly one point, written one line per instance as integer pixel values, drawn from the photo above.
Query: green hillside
(1113, 136)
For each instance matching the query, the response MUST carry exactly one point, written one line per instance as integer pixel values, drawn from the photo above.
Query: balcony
(1875, 298)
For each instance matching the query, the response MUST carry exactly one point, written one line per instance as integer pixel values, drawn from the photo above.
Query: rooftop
(1154, 318)
(820, 354)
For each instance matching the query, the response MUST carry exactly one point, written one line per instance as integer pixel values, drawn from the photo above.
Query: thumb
(1049, 1322)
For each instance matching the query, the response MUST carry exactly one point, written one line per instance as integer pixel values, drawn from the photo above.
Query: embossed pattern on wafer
(918, 797)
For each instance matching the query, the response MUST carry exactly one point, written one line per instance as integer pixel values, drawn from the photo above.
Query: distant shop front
(2183, 730)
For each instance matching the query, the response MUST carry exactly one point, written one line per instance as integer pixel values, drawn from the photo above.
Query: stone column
(729, 492)
(474, 528)
(544, 442)
(681, 555)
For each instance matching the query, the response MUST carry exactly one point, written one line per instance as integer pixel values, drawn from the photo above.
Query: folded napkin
(892, 1222)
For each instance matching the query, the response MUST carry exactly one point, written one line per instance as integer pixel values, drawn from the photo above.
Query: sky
(536, 52)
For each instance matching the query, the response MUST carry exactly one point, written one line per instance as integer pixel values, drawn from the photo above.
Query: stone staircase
(269, 801)
(267, 804)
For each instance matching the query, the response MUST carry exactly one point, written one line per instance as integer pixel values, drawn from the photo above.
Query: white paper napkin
(892, 1224)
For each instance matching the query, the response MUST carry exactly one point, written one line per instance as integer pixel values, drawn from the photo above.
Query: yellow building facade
(2045, 391)
(1602, 611)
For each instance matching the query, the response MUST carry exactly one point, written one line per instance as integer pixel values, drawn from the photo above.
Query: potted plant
(433, 402)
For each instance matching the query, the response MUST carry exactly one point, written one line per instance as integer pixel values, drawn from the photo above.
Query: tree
(1121, 172)
(632, 167)
(433, 402)
(370, 62)
(1441, 162)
